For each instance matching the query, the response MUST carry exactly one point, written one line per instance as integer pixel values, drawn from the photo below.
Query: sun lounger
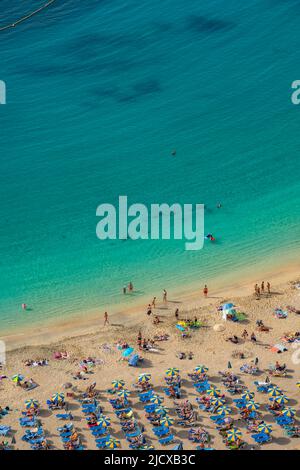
(261, 438)
(64, 416)
(144, 397)
(166, 440)
(4, 430)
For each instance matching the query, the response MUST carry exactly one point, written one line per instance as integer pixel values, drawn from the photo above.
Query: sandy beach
(208, 346)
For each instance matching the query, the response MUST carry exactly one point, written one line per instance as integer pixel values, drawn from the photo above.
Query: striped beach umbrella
(266, 428)
(156, 400)
(144, 378)
(200, 369)
(213, 392)
(17, 378)
(252, 406)
(290, 412)
(58, 397)
(217, 402)
(233, 435)
(248, 395)
(172, 372)
(166, 421)
(223, 410)
(118, 383)
(275, 392)
(31, 404)
(281, 399)
(104, 422)
(112, 443)
(123, 393)
(161, 410)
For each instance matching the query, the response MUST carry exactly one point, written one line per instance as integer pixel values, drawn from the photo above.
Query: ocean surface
(99, 93)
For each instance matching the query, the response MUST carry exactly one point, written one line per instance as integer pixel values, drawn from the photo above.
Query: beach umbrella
(227, 306)
(166, 421)
(104, 422)
(161, 410)
(281, 399)
(118, 383)
(172, 372)
(266, 428)
(290, 412)
(233, 435)
(217, 402)
(127, 352)
(200, 369)
(156, 400)
(123, 393)
(275, 392)
(17, 378)
(247, 395)
(252, 406)
(58, 397)
(112, 443)
(298, 384)
(213, 392)
(31, 404)
(223, 410)
(144, 378)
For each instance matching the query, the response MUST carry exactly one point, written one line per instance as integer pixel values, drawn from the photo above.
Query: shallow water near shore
(97, 100)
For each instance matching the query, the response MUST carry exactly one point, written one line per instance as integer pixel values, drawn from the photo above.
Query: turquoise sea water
(99, 92)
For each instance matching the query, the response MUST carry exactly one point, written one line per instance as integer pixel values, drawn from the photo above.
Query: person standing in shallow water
(205, 291)
(165, 296)
(269, 287)
(262, 287)
(106, 321)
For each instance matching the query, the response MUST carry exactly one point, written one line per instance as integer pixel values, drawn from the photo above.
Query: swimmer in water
(24, 306)
(219, 205)
(173, 153)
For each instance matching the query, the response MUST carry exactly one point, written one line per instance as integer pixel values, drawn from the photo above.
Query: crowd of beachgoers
(220, 375)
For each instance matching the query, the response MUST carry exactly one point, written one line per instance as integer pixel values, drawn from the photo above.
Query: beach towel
(279, 348)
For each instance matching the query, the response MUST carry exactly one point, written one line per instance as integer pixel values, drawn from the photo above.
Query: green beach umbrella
(31, 404)
(290, 412)
(112, 443)
(144, 378)
(166, 421)
(58, 397)
(252, 406)
(118, 383)
(200, 369)
(123, 393)
(172, 372)
(266, 428)
(248, 395)
(282, 399)
(233, 435)
(156, 400)
(17, 378)
(223, 410)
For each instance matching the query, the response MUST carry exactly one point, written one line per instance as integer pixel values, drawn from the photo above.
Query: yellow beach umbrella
(123, 393)
(233, 435)
(298, 384)
(252, 406)
(213, 392)
(217, 402)
(290, 412)
(266, 428)
(112, 443)
(282, 399)
(200, 369)
(104, 422)
(58, 397)
(119, 383)
(247, 395)
(156, 400)
(172, 371)
(275, 392)
(224, 410)
(166, 421)
(31, 404)
(144, 378)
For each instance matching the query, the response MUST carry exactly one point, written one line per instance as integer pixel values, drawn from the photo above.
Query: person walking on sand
(245, 335)
(106, 320)
(165, 296)
(205, 290)
(269, 287)
(262, 287)
(153, 302)
(177, 314)
(256, 289)
(253, 338)
(258, 292)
